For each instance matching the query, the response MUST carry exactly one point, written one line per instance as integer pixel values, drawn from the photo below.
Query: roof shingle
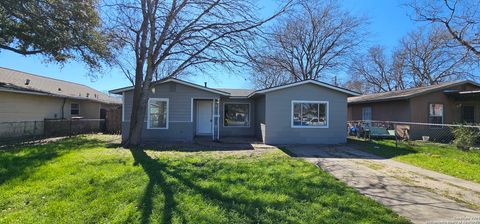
(237, 92)
(405, 94)
(39, 84)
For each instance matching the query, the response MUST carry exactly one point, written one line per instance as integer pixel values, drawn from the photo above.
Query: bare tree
(374, 69)
(357, 85)
(397, 70)
(460, 18)
(430, 60)
(266, 75)
(424, 57)
(378, 72)
(312, 39)
(166, 38)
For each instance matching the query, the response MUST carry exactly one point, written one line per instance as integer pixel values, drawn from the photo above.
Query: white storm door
(204, 117)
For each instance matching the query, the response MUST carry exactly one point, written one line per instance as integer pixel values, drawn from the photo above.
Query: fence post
(34, 131)
(396, 136)
(70, 129)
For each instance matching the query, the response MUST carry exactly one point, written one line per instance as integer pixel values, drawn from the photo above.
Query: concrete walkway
(421, 195)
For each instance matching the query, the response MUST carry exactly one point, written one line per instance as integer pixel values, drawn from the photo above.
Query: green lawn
(443, 158)
(88, 180)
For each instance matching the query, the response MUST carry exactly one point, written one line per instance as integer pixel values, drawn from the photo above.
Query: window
(75, 109)
(312, 114)
(435, 113)
(367, 113)
(236, 115)
(157, 113)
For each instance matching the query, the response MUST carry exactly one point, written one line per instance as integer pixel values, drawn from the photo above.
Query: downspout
(218, 119)
(63, 108)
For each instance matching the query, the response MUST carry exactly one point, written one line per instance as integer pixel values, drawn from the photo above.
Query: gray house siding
(181, 125)
(226, 131)
(270, 115)
(279, 114)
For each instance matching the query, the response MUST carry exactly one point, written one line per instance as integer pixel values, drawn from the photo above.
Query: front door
(204, 117)
(468, 114)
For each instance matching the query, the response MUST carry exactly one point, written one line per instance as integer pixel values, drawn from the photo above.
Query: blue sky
(388, 23)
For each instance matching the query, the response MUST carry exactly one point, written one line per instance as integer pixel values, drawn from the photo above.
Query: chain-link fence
(15, 132)
(442, 133)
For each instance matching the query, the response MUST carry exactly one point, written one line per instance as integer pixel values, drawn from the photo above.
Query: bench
(381, 132)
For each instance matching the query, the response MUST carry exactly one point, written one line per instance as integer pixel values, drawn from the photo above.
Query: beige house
(28, 97)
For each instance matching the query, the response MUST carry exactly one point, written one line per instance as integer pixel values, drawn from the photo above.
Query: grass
(443, 158)
(87, 180)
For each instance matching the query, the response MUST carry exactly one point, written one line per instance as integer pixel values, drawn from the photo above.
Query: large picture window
(312, 114)
(236, 115)
(435, 113)
(157, 113)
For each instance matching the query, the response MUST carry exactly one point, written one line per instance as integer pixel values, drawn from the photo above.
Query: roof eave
(54, 95)
(348, 92)
(379, 100)
(417, 94)
(121, 90)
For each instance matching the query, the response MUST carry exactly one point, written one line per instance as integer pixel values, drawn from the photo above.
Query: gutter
(38, 93)
(63, 108)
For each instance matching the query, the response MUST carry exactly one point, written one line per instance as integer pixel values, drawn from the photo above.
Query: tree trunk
(137, 119)
(139, 107)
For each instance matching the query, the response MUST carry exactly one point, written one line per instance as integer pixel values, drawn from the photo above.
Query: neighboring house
(28, 97)
(302, 112)
(445, 103)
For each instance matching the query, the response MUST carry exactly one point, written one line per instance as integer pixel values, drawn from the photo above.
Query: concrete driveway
(421, 195)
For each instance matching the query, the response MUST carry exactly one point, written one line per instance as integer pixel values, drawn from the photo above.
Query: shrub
(465, 137)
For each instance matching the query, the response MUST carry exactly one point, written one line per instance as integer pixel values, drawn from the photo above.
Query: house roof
(237, 92)
(22, 82)
(120, 90)
(244, 93)
(315, 82)
(407, 93)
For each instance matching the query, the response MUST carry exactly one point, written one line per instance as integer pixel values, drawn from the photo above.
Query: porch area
(231, 143)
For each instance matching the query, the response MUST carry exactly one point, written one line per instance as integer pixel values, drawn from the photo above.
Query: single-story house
(445, 103)
(26, 97)
(302, 112)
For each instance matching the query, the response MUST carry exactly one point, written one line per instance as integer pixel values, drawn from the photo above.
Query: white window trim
(249, 115)
(310, 101)
(148, 112)
(71, 108)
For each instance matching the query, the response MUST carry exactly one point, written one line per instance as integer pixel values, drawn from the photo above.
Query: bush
(465, 137)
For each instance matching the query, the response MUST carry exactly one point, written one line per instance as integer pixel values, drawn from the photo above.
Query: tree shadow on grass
(157, 172)
(155, 179)
(186, 177)
(21, 161)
